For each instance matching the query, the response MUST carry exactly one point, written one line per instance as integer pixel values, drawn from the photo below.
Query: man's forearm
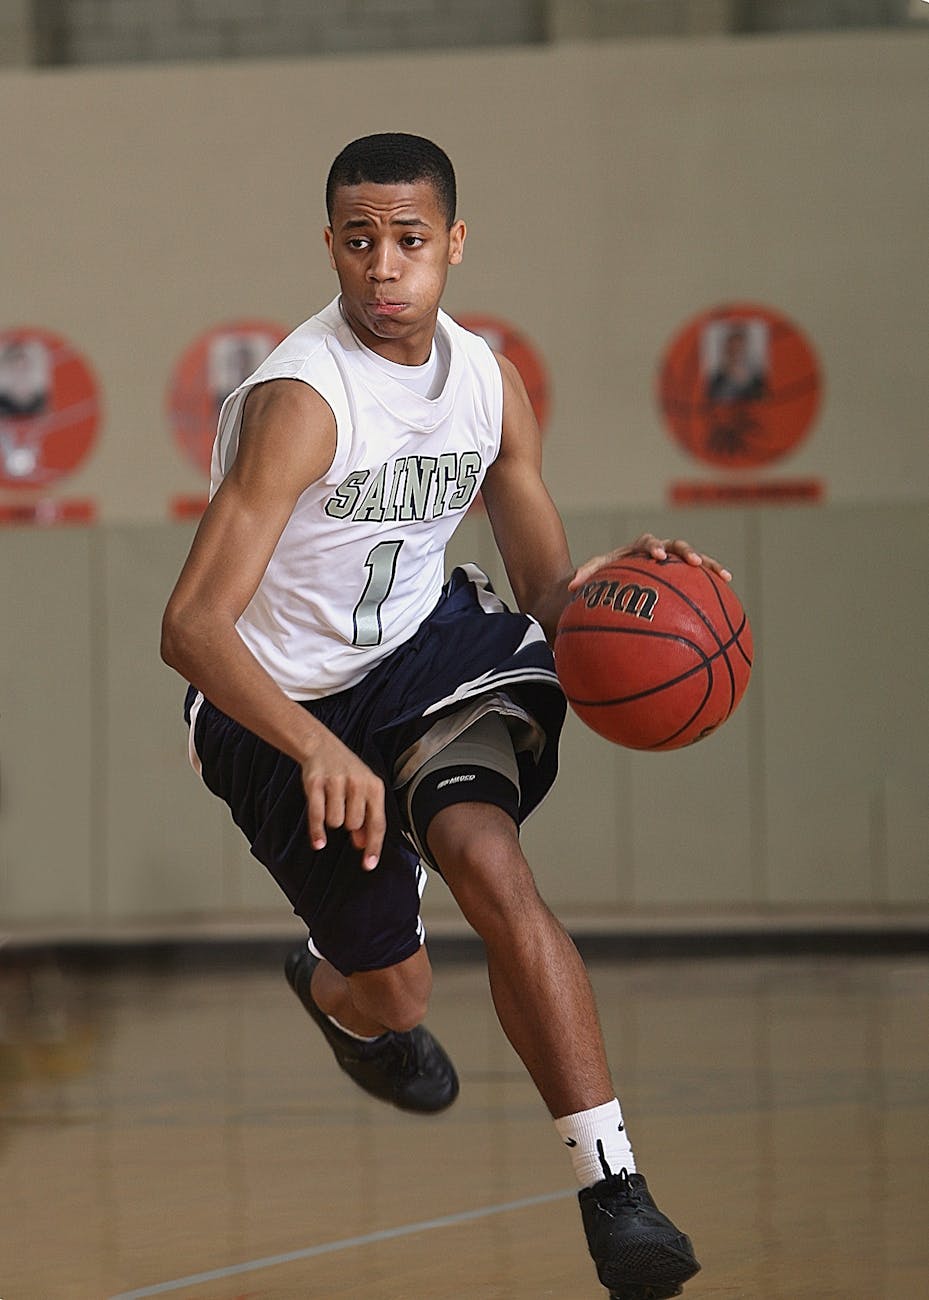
(215, 659)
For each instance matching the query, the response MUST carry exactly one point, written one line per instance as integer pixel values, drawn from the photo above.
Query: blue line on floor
(330, 1247)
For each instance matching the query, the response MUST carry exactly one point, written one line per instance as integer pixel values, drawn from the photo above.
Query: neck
(412, 349)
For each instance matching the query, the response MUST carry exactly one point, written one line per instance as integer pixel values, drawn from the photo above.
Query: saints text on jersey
(408, 488)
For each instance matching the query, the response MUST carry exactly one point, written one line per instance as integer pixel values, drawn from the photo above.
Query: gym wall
(612, 193)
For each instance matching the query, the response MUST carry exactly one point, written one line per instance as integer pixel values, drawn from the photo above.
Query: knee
(492, 882)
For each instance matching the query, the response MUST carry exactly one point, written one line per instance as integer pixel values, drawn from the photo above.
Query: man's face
(391, 249)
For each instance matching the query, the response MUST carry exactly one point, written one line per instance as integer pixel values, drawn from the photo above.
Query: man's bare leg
(371, 1002)
(546, 1007)
(539, 984)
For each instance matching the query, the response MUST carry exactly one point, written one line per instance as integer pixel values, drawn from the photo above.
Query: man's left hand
(655, 549)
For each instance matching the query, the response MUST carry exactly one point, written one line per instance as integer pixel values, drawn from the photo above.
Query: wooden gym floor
(170, 1129)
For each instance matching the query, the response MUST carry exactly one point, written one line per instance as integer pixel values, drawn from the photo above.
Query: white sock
(351, 1033)
(598, 1142)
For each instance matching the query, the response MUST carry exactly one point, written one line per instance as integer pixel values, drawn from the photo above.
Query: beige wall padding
(811, 797)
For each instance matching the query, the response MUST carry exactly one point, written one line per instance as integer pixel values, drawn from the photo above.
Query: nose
(383, 266)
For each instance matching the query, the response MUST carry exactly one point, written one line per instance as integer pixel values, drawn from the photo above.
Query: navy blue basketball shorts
(470, 659)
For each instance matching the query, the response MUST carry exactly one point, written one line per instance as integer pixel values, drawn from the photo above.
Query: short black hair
(394, 158)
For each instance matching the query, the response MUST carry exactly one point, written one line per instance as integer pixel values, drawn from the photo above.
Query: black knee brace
(459, 783)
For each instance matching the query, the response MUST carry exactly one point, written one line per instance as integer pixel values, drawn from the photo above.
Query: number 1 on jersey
(382, 567)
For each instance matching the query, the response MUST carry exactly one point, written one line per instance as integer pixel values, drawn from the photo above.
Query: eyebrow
(360, 223)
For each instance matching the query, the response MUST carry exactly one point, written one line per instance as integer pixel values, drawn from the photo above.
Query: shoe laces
(411, 1047)
(401, 1054)
(620, 1186)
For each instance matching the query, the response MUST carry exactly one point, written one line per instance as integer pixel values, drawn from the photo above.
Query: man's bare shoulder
(287, 400)
(289, 430)
(520, 434)
(511, 376)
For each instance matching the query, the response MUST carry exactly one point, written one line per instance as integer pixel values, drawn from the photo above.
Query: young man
(357, 716)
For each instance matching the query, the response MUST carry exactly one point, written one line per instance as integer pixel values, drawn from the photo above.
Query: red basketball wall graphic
(206, 373)
(739, 388)
(504, 338)
(50, 408)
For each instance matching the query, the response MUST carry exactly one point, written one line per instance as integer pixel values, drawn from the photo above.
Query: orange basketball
(654, 654)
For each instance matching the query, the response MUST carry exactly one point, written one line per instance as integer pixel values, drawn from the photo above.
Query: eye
(357, 242)
(412, 241)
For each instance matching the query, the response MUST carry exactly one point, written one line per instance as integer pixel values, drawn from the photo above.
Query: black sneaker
(411, 1069)
(638, 1251)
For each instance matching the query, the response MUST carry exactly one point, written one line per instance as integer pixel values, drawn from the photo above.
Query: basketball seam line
(706, 660)
(669, 585)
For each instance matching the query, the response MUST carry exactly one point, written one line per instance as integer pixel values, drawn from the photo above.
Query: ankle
(598, 1142)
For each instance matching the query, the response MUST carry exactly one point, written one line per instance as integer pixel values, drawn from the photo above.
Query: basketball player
(360, 718)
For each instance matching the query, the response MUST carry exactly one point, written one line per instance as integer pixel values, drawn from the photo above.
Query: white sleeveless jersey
(360, 563)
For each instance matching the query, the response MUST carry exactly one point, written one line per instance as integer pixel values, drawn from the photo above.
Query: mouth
(387, 308)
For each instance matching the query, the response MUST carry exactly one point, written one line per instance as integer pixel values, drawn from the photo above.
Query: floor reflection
(162, 1122)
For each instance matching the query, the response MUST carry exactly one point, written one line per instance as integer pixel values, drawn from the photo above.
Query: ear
(327, 235)
(456, 238)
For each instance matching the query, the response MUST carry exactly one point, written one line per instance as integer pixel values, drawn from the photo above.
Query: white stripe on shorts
(191, 747)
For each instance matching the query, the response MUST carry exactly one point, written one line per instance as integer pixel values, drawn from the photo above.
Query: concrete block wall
(120, 31)
(108, 31)
(602, 19)
(598, 19)
(813, 15)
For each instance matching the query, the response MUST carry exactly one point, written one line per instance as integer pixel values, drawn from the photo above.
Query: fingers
(587, 570)
(316, 813)
(350, 801)
(717, 568)
(368, 835)
(684, 551)
(646, 544)
(656, 549)
(366, 822)
(369, 839)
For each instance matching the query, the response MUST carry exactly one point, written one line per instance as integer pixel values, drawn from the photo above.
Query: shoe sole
(665, 1277)
(649, 1272)
(646, 1293)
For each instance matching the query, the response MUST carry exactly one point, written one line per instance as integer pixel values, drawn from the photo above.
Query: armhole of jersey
(497, 398)
(481, 356)
(230, 422)
(331, 388)
(227, 437)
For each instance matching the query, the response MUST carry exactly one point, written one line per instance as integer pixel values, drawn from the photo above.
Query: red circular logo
(739, 386)
(49, 408)
(502, 337)
(207, 372)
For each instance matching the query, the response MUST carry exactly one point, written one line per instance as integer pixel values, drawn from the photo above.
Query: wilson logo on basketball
(652, 674)
(624, 598)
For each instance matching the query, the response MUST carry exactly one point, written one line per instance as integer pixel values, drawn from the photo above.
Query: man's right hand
(341, 790)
